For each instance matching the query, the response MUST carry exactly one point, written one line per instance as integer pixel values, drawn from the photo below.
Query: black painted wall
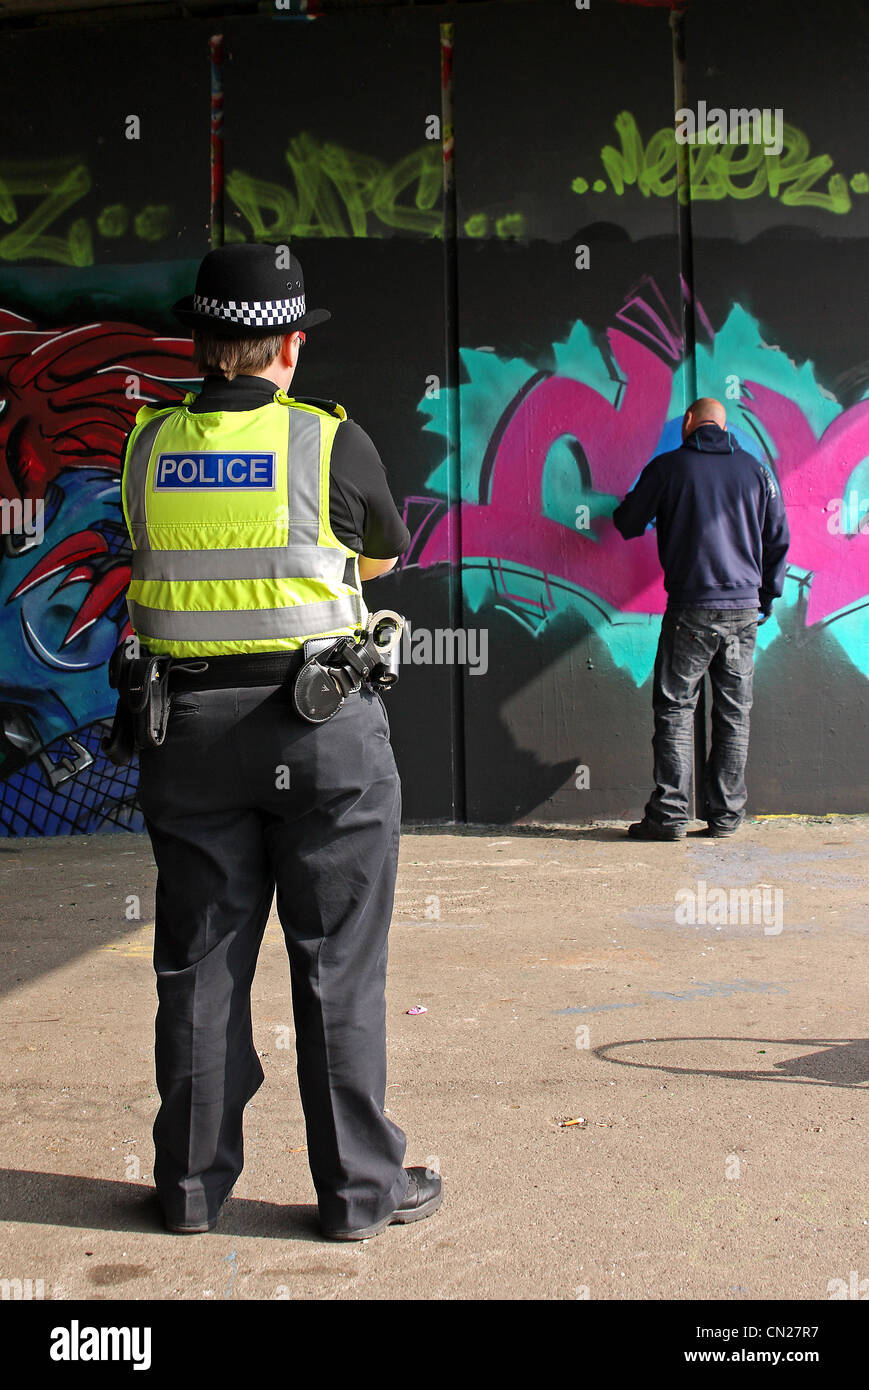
(516, 376)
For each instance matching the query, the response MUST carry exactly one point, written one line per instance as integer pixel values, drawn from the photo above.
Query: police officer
(248, 509)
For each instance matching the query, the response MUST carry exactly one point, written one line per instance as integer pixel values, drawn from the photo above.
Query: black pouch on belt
(142, 714)
(324, 682)
(335, 669)
(119, 744)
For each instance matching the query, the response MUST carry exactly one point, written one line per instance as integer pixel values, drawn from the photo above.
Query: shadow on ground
(843, 1062)
(61, 1199)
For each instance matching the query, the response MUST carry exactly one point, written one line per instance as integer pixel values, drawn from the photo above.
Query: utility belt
(321, 675)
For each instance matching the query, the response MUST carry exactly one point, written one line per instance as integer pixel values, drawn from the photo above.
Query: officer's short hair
(218, 355)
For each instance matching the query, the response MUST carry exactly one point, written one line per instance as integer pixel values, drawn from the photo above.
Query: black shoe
(719, 832)
(645, 830)
(202, 1227)
(424, 1196)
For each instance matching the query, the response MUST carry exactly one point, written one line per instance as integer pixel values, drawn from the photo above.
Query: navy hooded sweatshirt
(720, 520)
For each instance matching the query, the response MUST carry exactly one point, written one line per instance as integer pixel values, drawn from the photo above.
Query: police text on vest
(214, 472)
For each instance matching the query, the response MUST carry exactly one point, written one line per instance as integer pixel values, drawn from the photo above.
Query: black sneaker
(720, 832)
(424, 1196)
(646, 830)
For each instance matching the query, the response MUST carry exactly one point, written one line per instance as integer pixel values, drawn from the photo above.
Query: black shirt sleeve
(362, 511)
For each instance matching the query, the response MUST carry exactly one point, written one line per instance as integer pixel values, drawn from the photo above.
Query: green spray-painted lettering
(337, 191)
(722, 171)
(57, 183)
(334, 192)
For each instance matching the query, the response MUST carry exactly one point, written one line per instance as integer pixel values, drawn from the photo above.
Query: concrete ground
(635, 1086)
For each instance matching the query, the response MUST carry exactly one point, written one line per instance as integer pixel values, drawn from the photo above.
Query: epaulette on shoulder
(330, 407)
(150, 412)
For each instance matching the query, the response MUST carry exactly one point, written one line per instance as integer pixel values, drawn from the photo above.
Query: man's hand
(371, 569)
(762, 615)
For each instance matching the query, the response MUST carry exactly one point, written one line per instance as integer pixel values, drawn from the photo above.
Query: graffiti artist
(722, 539)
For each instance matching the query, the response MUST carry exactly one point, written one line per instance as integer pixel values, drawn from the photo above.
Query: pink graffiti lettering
(618, 440)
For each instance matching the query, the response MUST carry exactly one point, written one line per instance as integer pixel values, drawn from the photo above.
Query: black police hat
(249, 290)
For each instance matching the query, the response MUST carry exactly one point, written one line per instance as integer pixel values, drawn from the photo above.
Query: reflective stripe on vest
(228, 513)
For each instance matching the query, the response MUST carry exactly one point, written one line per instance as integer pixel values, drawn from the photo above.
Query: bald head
(705, 411)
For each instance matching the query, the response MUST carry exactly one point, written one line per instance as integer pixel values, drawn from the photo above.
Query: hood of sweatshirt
(709, 439)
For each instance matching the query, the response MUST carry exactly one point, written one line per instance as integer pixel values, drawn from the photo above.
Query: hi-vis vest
(228, 513)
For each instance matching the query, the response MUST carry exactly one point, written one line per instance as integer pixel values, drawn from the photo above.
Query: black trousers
(243, 798)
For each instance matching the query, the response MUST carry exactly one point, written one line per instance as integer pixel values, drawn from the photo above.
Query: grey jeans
(692, 642)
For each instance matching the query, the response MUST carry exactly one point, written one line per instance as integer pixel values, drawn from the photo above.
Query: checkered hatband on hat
(263, 313)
